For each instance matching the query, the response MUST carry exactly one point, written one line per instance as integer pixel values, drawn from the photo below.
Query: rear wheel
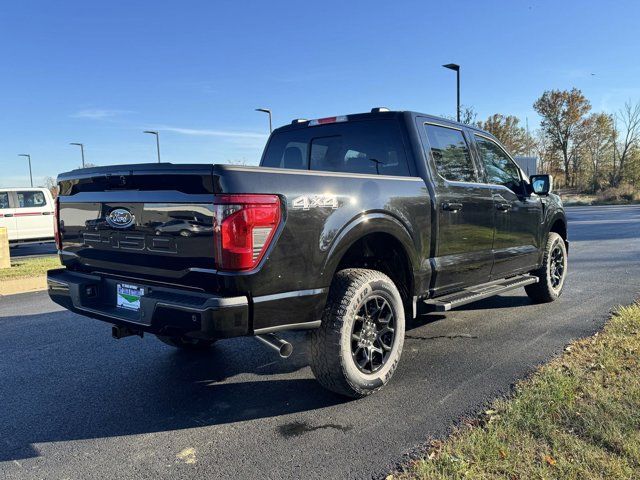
(552, 273)
(358, 345)
(186, 343)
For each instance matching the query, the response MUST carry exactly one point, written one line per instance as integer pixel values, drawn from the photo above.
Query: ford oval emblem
(121, 218)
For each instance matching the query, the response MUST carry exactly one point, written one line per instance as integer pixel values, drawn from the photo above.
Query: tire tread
(326, 354)
(541, 292)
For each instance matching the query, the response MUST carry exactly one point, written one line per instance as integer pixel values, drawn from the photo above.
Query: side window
(31, 199)
(4, 200)
(451, 154)
(499, 168)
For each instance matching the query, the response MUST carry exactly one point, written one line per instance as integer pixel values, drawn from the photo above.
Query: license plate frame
(128, 296)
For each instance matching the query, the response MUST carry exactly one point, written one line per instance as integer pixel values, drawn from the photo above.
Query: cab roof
(375, 113)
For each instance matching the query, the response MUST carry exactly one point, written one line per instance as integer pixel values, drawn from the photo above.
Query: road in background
(33, 250)
(77, 404)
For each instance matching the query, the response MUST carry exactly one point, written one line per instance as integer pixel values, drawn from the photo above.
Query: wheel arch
(558, 225)
(380, 242)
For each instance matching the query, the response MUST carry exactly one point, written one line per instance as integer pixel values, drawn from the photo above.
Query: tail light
(56, 223)
(244, 226)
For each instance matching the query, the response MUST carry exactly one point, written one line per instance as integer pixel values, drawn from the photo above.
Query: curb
(23, 285)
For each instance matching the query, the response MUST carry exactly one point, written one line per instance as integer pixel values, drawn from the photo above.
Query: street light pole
(81, 145)
(30, 174)
(456, 68)
(154, 132)
(268, 111)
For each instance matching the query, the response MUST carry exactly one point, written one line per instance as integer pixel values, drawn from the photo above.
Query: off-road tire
(184, 343)
(331, 344)
(544, 291)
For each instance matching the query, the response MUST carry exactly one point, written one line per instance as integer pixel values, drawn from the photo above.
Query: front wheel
(552, 273)
(358, 345)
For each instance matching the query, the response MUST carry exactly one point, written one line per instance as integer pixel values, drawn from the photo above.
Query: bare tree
(238, 161)
(50, 184)
(468, 115)
(598, 144)
(563, 113)
(543, 149)
(626, 138)
(87, 165)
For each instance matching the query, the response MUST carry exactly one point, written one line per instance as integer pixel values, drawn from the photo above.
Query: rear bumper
(163, 310)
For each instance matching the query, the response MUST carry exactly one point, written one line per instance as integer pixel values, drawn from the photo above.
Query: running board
(479, 292)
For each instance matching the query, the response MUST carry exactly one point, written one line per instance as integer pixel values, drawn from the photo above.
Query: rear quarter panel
(324, 214)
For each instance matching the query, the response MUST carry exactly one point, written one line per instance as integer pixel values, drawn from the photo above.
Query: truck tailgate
(148, 220)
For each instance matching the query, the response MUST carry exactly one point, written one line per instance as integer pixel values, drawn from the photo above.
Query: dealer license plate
(128, 296)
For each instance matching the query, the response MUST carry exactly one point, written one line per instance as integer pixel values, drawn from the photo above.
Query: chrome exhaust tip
(284, 348)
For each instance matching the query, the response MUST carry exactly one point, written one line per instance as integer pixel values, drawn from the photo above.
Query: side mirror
(541, 184)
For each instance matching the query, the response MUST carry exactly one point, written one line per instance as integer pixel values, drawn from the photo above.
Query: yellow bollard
(5, 259)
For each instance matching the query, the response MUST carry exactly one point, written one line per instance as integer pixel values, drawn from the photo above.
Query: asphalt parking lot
(33, 250)
(78, 404)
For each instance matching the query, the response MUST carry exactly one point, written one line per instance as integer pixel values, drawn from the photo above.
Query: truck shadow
(65, 380)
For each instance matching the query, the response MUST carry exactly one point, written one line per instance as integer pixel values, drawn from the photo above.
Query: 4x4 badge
(306, 202)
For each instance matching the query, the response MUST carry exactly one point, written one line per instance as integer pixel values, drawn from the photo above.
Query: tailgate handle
(452, 206)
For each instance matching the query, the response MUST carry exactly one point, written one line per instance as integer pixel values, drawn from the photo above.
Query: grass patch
(577, 417)
(29, 267)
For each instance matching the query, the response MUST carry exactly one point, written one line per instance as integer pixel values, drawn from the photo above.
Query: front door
(464, 212)
(518, 213)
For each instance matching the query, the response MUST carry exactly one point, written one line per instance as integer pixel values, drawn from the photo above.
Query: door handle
(8, 215)
(47, 213)
(503, 207)
(452, 206)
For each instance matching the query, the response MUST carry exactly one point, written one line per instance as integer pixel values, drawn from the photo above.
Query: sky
(102, 72)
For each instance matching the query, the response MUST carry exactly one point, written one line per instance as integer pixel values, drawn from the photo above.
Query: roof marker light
(379, 109)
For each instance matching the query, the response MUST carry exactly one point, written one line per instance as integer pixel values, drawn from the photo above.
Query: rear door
(464, 210)
(518, 214)
(7, 213)
(33, 214)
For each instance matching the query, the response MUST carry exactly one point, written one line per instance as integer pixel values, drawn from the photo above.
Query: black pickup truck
(350, 226)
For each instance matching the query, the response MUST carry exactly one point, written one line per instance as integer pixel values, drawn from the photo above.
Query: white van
(28, 214)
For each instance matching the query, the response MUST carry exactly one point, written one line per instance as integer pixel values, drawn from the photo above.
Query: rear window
(31, 199)
(4, 200)
(374, 147)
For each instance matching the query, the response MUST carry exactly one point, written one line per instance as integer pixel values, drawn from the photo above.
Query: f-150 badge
(307, 202)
